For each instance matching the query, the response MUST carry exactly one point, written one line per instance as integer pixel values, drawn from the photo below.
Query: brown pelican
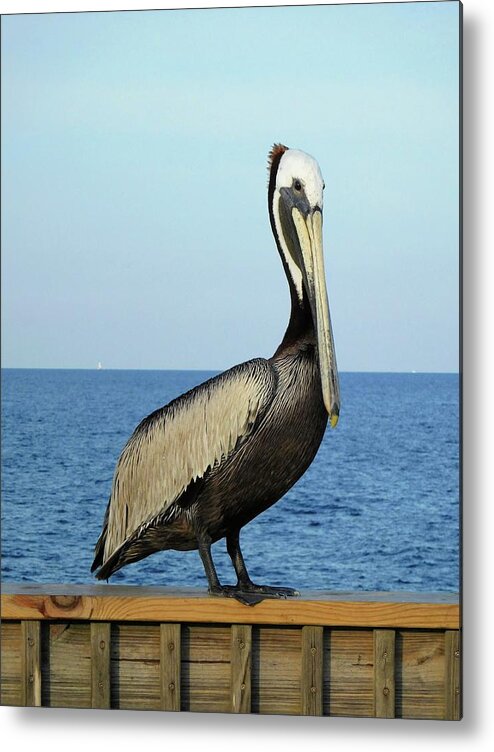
(200, 468)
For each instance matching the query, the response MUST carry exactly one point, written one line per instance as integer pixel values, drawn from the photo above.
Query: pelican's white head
(301, 171)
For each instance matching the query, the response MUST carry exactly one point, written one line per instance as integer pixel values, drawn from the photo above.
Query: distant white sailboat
(99, 366)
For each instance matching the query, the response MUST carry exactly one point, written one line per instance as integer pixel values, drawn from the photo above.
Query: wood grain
(318, 609)
(276, 662)
(100, 664)
(420, 674)
(311, 675)
(136, 666)
(66, 665)
(452, 688)
(348, 670)
(384, 673)
(10, 663)
(240, 665)
(206, 675)
(170, 666)
(31, 663)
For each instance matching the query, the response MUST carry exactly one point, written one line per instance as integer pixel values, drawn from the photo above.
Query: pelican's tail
(135, 548)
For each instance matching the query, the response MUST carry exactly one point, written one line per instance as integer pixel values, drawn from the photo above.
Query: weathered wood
(206, 680)
(170, 666)
(66, 665)
(31, 664)
(419, 674)
(100, 664)
(384, 673)
(452, 676)
(311, 678)
(10, 663)
(240, 668)
(100, 603)
(276, 670)
(209, 668)
(136, 666)
(348, 669)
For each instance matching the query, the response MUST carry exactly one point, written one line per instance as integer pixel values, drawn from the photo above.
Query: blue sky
(134, 220)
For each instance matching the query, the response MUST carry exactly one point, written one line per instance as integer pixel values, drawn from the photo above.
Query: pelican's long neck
(300, 329)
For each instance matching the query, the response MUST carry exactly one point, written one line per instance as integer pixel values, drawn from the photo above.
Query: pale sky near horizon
(135, 229)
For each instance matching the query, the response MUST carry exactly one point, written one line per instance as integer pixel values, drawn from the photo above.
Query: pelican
(200, 468)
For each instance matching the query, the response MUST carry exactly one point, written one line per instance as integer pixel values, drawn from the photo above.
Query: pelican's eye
(297, 185)
(323, 186)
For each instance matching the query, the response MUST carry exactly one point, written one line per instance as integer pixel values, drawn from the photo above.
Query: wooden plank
(136, 666)
(206, 675)
(66, 665)
(348, 668)
(159, 605)
(276, 655)
(170, 665)
(31, 663)
(100, 664)
(419, 674)
(384, 673)
(240, 668)
(311, 678)
(10, 663)
(452, 675)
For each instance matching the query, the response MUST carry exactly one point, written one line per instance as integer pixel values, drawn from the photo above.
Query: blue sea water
(377, 510)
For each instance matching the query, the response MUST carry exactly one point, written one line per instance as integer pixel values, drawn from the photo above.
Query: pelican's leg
(214, 585)
(244, 583)
(204, 545)
(233, 547)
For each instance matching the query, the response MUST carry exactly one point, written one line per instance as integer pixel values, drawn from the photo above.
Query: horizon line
(199, 370)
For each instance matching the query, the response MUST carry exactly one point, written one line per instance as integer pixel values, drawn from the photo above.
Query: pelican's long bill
(308, 226)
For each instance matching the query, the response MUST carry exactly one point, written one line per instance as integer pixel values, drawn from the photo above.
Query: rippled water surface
(377, 510)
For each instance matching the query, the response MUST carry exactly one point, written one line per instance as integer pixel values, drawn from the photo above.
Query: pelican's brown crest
(274, 156)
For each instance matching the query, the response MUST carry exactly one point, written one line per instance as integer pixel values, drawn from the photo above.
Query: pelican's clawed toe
(251, 595)
(273, 591)
(247, 598)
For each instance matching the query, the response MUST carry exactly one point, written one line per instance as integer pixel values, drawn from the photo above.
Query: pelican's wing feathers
(178, 444)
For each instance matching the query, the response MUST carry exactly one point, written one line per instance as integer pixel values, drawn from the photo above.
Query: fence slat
(311, 677)
(241, 663)
(452, 674)
(170, 664)
(31, 663)
(100, 664)
(384, 673)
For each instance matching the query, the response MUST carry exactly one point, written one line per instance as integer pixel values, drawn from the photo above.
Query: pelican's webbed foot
(250, 594)
(234, 591)
(272, 591)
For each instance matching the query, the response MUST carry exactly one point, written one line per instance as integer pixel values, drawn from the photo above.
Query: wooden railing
(359, 654)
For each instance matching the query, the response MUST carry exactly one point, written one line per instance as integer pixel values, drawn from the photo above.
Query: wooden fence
(383, 655)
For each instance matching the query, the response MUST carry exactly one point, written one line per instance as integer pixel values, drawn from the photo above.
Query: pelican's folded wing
(178, 444)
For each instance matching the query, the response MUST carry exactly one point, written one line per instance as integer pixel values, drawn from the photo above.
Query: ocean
(377, 510)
